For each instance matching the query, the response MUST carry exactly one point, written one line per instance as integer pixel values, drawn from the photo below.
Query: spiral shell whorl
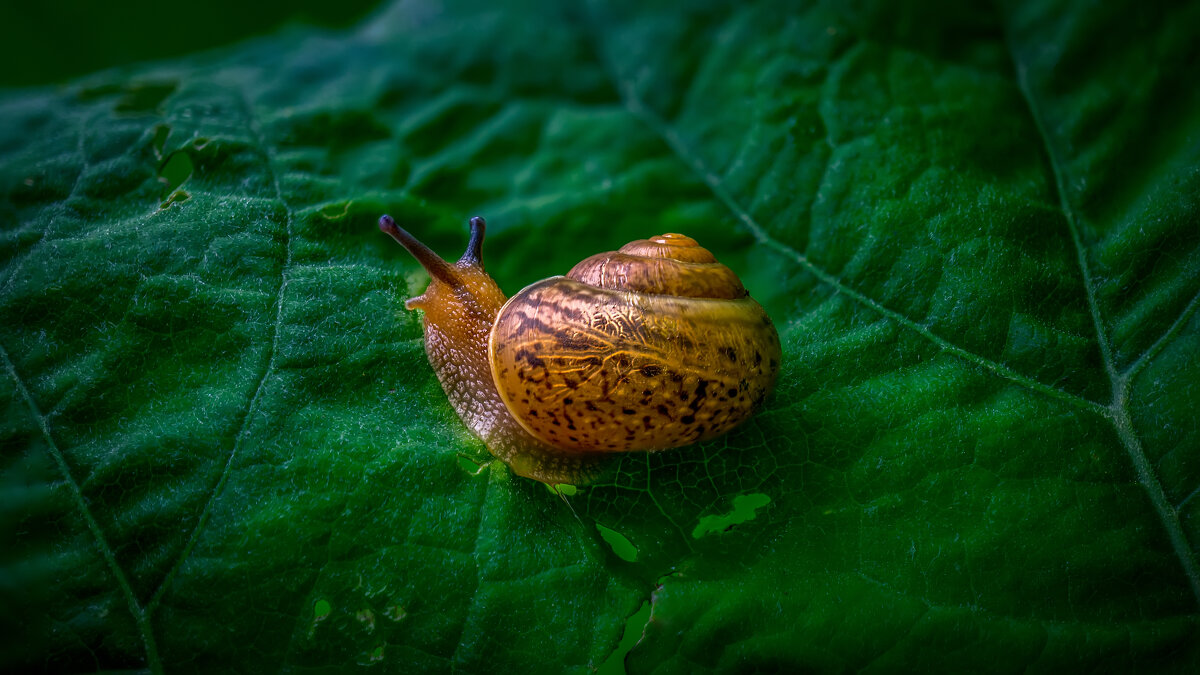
(670, 245)
(669, 264)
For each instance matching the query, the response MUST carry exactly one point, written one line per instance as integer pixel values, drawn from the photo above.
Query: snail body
(651, 347)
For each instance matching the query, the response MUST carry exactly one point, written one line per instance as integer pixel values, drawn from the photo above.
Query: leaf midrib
(1118, 410)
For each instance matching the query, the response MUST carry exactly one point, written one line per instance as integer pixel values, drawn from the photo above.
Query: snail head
(462, 284)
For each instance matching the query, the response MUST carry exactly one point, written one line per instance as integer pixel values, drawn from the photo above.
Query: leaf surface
(224, 449)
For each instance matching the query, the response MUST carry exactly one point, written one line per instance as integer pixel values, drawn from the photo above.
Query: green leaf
(975, 227)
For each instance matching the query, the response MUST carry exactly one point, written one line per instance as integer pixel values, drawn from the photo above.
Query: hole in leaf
(176, 196)
(89, 94)
(562, 489)
(161, 132)
(395, 612)
(175, 171)
(744, 507)
(470, 465)
(144, 97)
(372, 657)
(621, 546)
(321, 610)
(335, 211)
(635, 626)
(367, 618)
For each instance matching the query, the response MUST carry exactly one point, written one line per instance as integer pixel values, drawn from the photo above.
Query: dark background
(49, 42)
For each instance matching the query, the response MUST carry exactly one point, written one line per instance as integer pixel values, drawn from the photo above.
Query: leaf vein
(256, 397)
(1185, 500)
(1118, 409)
(140, 615)
(679, 147)
(81, 150)
(1163, 340)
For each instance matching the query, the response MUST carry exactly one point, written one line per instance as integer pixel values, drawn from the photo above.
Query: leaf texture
(223, 448)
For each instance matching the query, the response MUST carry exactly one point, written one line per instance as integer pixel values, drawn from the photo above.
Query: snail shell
(654, 346)
(651, 347)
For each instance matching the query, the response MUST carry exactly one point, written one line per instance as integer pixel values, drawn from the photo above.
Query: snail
(651, 347)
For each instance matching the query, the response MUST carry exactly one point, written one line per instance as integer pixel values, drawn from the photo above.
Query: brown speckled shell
(622, 355)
